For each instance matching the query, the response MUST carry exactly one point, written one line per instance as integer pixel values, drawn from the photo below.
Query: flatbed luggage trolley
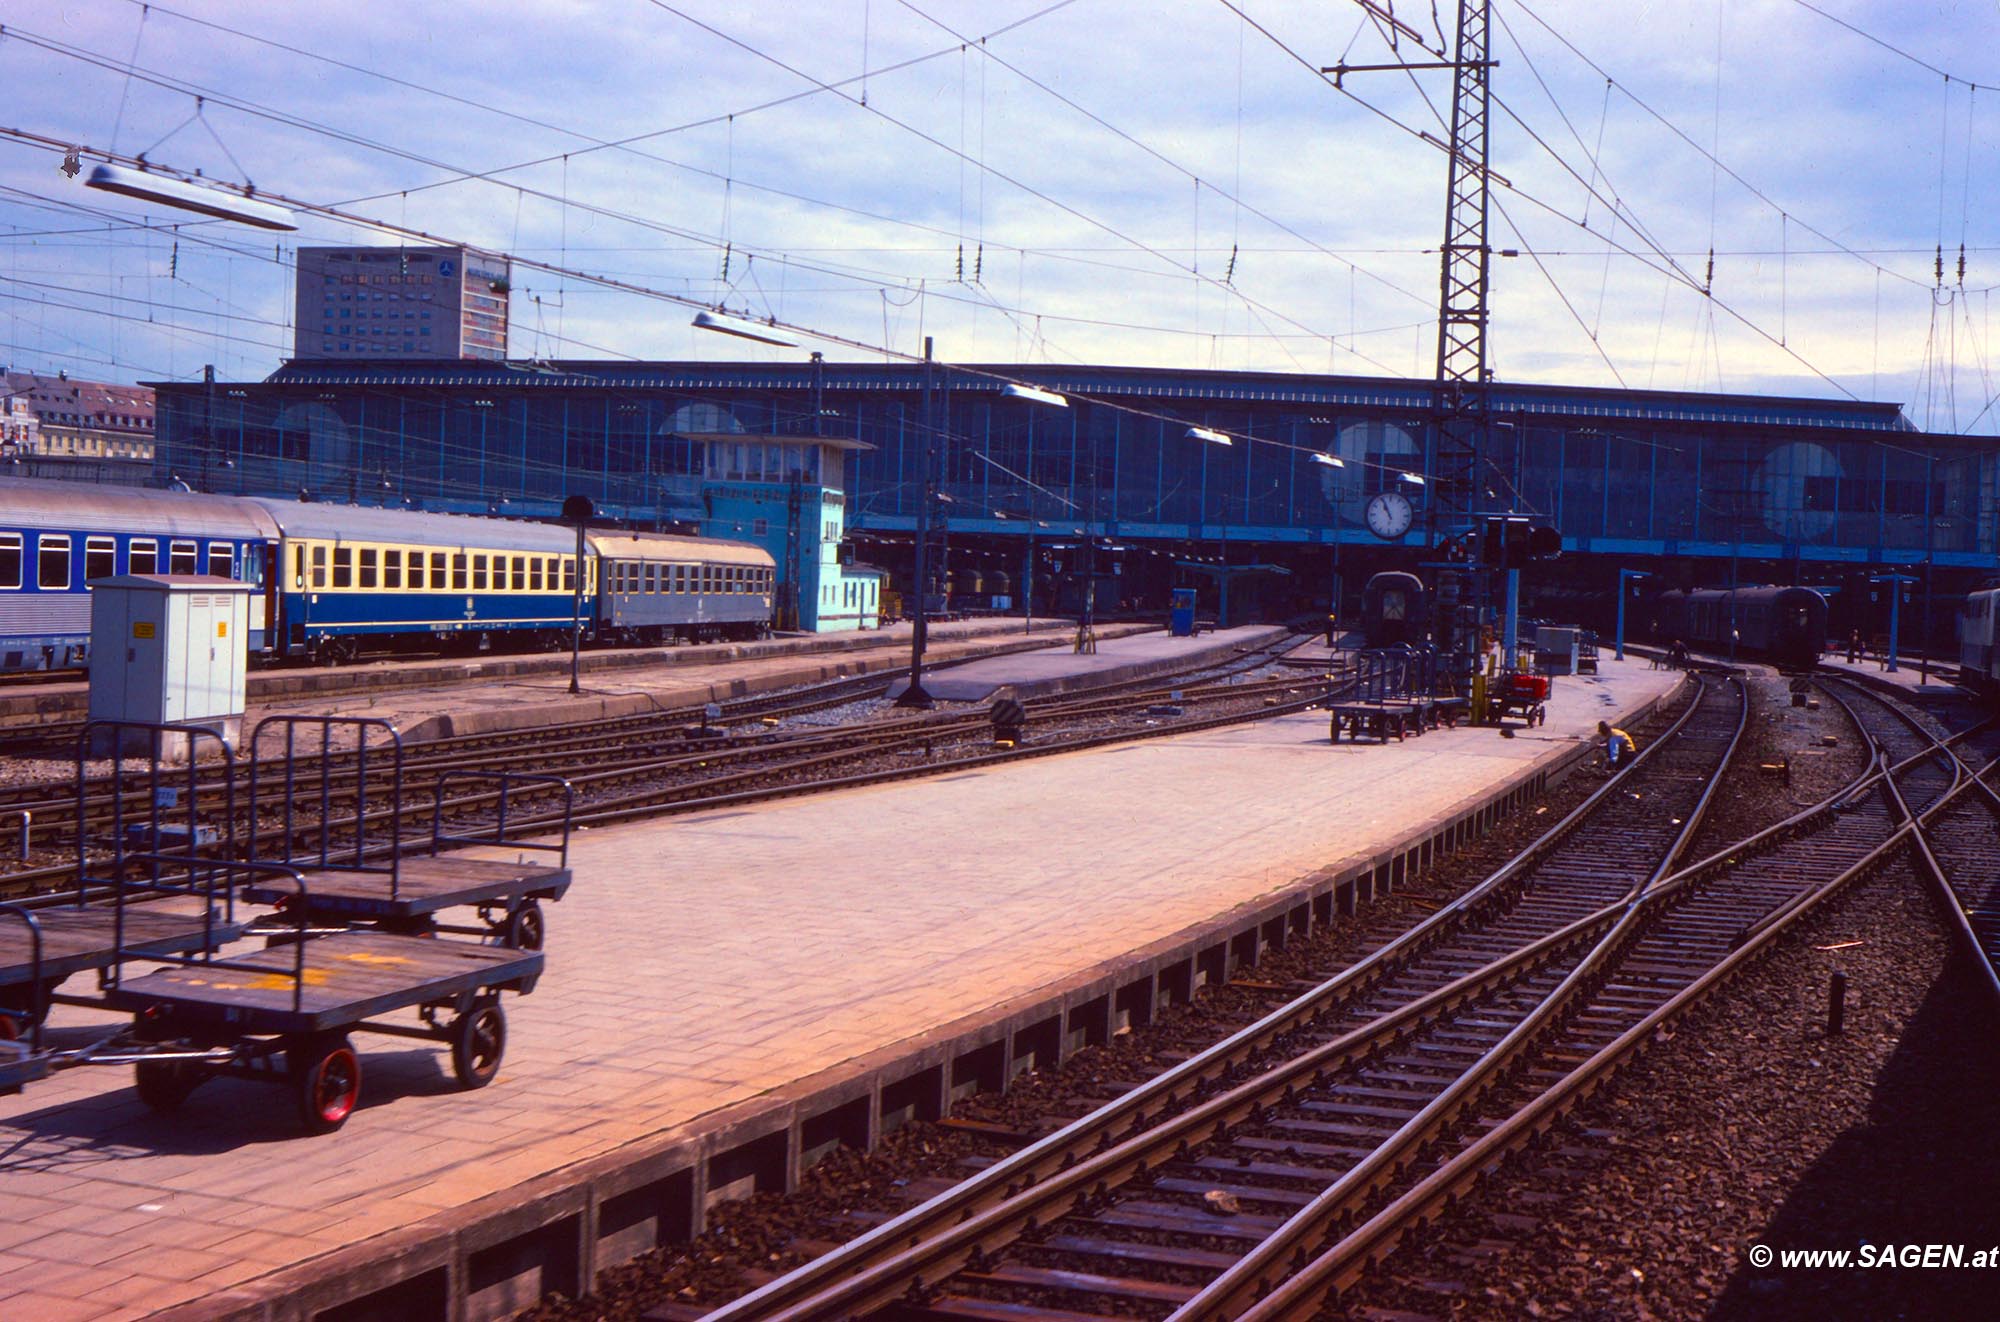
(1522, 692)
(284, 1014)
(184, 811)
(351, 882)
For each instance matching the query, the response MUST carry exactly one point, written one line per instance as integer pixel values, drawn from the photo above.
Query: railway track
(628, 769)
(1273, 1168)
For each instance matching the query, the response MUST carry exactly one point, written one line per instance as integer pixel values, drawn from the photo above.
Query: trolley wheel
(525, 928)
(478, 1040)
(165, 1084)
(326, 1080)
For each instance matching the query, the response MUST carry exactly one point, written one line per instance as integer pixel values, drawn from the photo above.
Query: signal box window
(100, 558)
(52, 562)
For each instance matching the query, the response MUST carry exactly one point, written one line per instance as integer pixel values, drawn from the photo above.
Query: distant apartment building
(386, 303)
(58, 426)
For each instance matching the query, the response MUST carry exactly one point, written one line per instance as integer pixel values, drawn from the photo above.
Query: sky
(1167, 183)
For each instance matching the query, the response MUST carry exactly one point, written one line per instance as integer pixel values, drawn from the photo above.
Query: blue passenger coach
(360, 579)
(338, 581)
(55, 537)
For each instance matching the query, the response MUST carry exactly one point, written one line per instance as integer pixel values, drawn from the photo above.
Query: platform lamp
(577, 510)
(914, 694)
(1086, 636)
(1223, 581)
(1624, 576)
(1895, 582)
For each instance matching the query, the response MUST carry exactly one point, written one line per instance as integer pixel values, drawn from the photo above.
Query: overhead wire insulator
(725, 263)
(1708, 281)
(1229, 276)
(960, 276)
(1961, 262)
(978, 262)
(1940, 265)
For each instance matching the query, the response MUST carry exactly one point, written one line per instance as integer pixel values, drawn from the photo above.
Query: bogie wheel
(10, 1026)
(165, 1084)
(526, 929)
(326, 1080)
(478, 1041)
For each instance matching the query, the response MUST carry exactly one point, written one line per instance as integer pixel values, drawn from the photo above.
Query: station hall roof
(1220, 387)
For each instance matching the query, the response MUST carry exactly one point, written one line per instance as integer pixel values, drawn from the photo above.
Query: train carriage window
(52, 561)
(534, 573)
(343, 566)
(416, 571)
(652, 579)
(100, 557)
(458, 572)
(319, 567)
(10, 560)
(569, 574)
(221, 560)
(552, 571)
(181, 558)
(520, 573)
(298, 566)
(437, 571)
(479, 573)
(368, 567)
(142, 556)
(392, 569)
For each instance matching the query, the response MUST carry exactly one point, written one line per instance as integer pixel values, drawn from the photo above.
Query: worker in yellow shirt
(1619, 746)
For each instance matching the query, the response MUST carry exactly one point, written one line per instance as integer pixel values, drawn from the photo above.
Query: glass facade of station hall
(1626, 472)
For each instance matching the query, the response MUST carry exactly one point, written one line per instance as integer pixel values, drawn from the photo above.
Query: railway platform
(1059, 667)
(418, 682)
(734, 992)
(518, 702)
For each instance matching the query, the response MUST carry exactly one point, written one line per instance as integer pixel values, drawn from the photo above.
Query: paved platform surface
(702, 961)
(1940, 681)
(1060, 667)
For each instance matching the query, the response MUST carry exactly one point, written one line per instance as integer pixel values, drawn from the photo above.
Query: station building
(822, 463)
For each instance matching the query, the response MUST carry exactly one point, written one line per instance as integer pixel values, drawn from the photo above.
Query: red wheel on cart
(478, 1041)
(326, 1079)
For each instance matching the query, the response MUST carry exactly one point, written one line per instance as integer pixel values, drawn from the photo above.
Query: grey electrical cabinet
(169, 649)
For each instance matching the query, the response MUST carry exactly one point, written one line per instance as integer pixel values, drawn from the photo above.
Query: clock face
(1389, 515)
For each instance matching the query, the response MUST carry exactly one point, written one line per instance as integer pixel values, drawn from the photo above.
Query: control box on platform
(169, 649)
